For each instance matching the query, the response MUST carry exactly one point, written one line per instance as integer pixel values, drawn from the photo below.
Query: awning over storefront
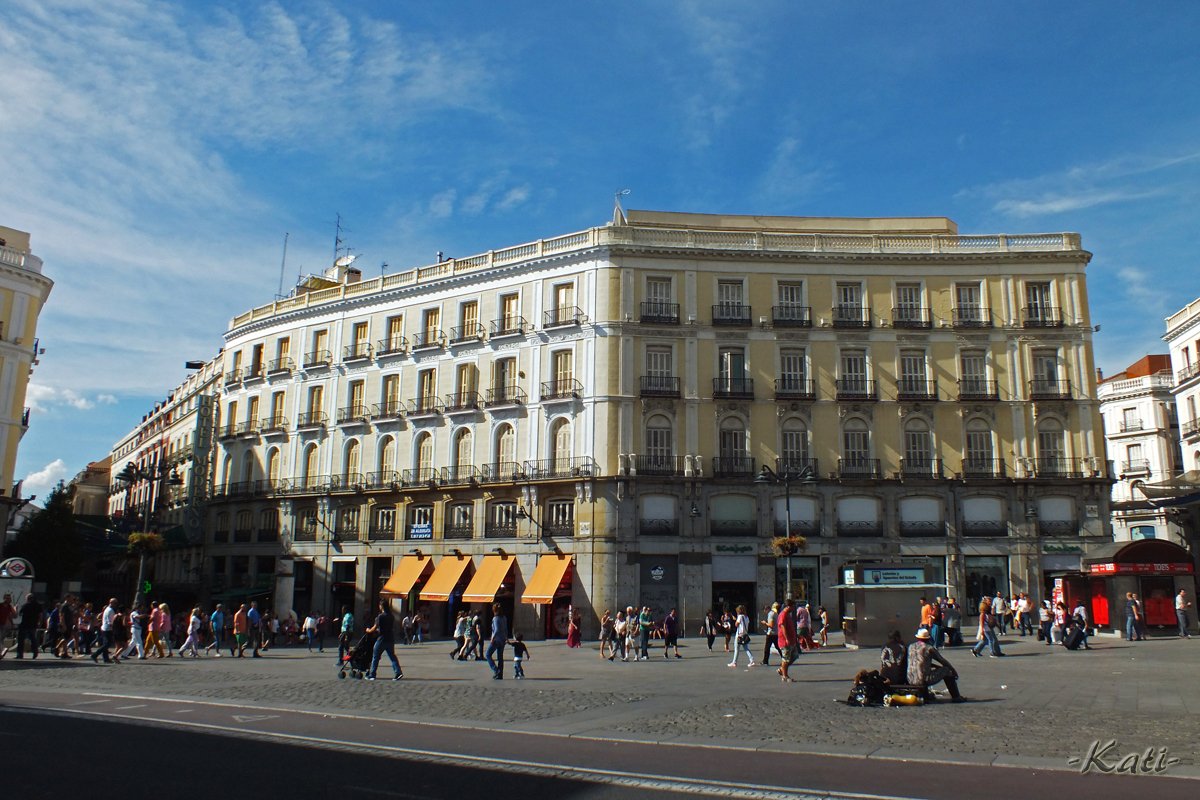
(1142, 557)
(546, 579)
(1178, 491)
(445, 578)
(487, 580)
(407, 573)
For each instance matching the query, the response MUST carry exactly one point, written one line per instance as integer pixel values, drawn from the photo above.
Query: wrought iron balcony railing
(859, 469)
(458, 532)
(856, 389)
(502, 472)
(463, 401)
(921, 467)
(660, 386)
(916, 389)
(733, 467)
(789, 315)
(975, 390)
(280, 365)
(731, 314)
(911, 317)
(508, 326)
(984, 528)
(422, 476)
(391, 346)
(563, 316)
(428, 339)
(359, 351)
(793, 388)
(975, 469)
(462, 334)
(733, 387)
(971, 317)
(851, 316)
(505, 396)
(566, 389)
(549, 468)
(461, 475)
(655, 313)
(1041, 389)
(659, 466)
(351, 415)
(425, 406)
(388, 409)
(317, 359)
(312, 419)
(1042, 317)
(925, 529)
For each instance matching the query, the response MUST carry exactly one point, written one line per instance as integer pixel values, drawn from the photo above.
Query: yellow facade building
(23, 292)
(586, 419)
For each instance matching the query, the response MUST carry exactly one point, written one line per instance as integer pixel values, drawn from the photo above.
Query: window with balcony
(460, 521)
(1130, 420)
(243, 530)
(430, 335)
(1040, 310)
(731, 378)
(221, 528)
(501, 522)
(347, 523)
(510, 321)
(856, 451)
(979, 459)
(913, 381)
(466, 388)
(420, 523)
(968, 306)
(659, 307)
(255, 370)
(423, 458)
(731, 308)
(310, 477)
(426, 400)
(277, 421)
(352, 464)
(1051, 450)
(919, 460)
(387, 456)
(973, 381)
(462, 454)
(383, 524)
(274, 468)
(252, 414)
(468, 328)
(505, 388)
(791, 312)
(852, 383)
(318, 354)
(390, 404)
(360, 344)
(733, 458)
(660, 379)
(794, 450)
(560, 517)
(504, 466)
(1046, 383)
(848, 308)
(394, 341)
(659, 456)
(793, 382)
(562, 368)
(910, 311)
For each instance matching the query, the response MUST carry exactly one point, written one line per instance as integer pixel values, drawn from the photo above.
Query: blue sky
(159, 151)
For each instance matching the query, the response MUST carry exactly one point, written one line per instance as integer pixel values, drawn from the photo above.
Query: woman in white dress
(742, 640)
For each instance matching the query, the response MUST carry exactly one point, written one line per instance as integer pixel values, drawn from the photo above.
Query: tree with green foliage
(50, 541)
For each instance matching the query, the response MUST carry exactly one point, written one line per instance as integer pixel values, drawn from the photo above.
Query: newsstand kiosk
(876, 598)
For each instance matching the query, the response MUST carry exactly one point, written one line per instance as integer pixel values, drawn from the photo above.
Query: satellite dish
(345, 261)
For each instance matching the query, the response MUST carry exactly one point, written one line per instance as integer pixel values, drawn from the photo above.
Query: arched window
(979, 456)
(353, 461)
(659, 447)
(732, 438)
(918, 446)
(424, 457)
(1051, 452)
(560, 443)
(387, 457)
(856, 449)
(462, 449)
(310, 478)
(227, 471)
(506, 446)
(247, 468)
(268, 525)
(273, 464)
(794, 449)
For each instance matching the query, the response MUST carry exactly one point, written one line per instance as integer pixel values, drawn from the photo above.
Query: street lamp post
(786, 475)
(156, 475)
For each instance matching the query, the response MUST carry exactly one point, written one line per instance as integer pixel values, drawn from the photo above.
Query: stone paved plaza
(1037, 706)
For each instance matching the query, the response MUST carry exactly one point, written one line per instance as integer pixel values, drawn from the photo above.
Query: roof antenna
(282, 265)
(337, 238)
(618, 212)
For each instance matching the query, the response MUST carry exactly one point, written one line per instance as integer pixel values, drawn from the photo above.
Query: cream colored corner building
(612, 394)
(23, 292)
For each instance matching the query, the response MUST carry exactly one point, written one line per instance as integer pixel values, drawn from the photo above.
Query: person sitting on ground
(922, 655)
(893, 659)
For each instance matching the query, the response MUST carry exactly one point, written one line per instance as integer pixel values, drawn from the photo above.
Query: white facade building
(1141, 430)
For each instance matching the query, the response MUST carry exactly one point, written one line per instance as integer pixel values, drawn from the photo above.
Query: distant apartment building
(585, 420)
(161, 474)
(23, 292)
(1142, 431)
(1183, 338)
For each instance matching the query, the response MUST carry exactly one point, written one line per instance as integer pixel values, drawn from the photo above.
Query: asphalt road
(248, 749)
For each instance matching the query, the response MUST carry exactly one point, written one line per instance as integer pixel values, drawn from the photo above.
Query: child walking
(520, 655)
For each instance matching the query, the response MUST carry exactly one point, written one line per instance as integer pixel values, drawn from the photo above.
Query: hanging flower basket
(789, 545)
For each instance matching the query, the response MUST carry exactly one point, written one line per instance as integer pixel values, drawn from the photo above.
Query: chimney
(1099, 375)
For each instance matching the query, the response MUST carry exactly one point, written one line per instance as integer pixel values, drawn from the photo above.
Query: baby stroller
(358, 660)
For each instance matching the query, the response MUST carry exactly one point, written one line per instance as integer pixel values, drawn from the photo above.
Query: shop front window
(985, 576)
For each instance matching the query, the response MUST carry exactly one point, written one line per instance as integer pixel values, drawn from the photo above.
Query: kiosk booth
(1154, 569)
(876, 598)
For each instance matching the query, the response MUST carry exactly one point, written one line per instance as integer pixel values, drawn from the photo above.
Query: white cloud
(41, 397)
(41, 481)
(791, 173)
(1058, 204)
(131, 118)
(441, 205)
(513, 198)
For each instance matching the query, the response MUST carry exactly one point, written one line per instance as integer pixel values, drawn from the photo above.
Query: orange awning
(546, 579)
(445, 578)
(487, 580)
(407, 573)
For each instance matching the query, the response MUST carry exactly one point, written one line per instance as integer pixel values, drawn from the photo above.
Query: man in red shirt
(785, 626)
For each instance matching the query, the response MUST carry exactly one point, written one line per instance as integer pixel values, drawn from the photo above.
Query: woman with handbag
(742, 643)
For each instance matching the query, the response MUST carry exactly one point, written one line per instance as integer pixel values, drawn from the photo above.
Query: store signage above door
(1142, 569)
(1050, 547)
(893, 577)
(733, 548)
